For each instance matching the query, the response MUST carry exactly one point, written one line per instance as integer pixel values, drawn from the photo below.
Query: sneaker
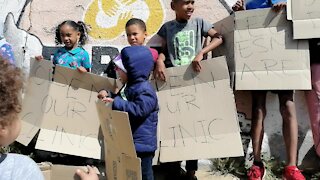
(256, 173)
(292, 173)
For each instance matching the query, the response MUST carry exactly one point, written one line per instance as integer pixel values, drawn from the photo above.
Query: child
(139, 99)
(136, 31)
(73, 35)
(313, 96)
(182, 38)
(287, 110)
(13, 166)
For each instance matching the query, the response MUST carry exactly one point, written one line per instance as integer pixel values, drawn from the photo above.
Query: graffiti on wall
(107, 18)
(35, 34)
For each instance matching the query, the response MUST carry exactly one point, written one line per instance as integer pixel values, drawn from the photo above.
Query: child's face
(69, 36)
(183, 9)
(9, 132)
(122, 76)
(135, 35)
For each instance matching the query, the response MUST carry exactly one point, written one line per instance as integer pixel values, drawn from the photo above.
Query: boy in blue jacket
(138, 98)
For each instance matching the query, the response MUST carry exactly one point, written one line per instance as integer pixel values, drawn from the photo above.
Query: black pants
(174, 167)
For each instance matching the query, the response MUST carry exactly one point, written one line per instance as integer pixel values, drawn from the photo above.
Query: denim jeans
(146, 165)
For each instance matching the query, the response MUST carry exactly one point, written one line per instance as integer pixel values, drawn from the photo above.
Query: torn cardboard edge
(120, 154)
(62, 172)
(116, 129)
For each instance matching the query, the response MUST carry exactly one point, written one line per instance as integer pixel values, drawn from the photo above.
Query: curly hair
(11, 83)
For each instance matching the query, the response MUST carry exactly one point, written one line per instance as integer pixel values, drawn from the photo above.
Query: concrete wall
(31, 26)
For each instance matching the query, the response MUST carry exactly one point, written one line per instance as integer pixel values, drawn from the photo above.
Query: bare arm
(216, 41)
(90, 175)
(238, 6)
(279, 6)
(160, 66)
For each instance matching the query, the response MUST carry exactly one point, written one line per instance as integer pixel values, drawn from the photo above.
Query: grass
(236, 167)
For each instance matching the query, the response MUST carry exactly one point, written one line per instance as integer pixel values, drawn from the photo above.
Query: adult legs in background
(313, 101)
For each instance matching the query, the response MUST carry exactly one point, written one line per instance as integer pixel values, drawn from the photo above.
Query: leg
(146, 165)
(172, 169)
(313, 101)
(257, 127)
(257, 170)
(290, 134)
(191, 167)
(289, 126)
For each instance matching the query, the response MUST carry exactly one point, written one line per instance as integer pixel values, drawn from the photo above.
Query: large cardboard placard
(65, 111)
(260, 44)
(36, 90)
(197, 113)
(306, 19)
(120, 155)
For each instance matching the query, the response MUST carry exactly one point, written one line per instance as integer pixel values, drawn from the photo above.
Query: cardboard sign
(116, 129)
(197, 113)
(34, 95)
(306, 19)
(121, 166)
(265, 55)
(62, 172)
(65, 111)
(121, 159)
(70, 121)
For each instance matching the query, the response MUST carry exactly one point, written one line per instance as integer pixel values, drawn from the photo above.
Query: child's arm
(238, 6)
(90, 175)
(216, 41)
(140, 107)
(82, 69)
(39, 58)
(85, 65)
(160, 66)
(279, 5)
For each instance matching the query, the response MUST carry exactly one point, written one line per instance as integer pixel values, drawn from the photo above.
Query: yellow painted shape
(153, 23)
(156, 17)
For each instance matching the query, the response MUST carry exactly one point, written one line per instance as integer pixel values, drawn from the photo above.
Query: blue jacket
(257, 4)
(142, 102)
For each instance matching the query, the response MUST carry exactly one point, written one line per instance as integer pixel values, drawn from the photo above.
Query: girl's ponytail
(83, 32)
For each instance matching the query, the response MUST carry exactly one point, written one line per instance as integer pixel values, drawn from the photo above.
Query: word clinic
(202, 131)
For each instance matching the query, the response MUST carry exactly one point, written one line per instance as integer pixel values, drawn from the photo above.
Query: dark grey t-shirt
(184, 40)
